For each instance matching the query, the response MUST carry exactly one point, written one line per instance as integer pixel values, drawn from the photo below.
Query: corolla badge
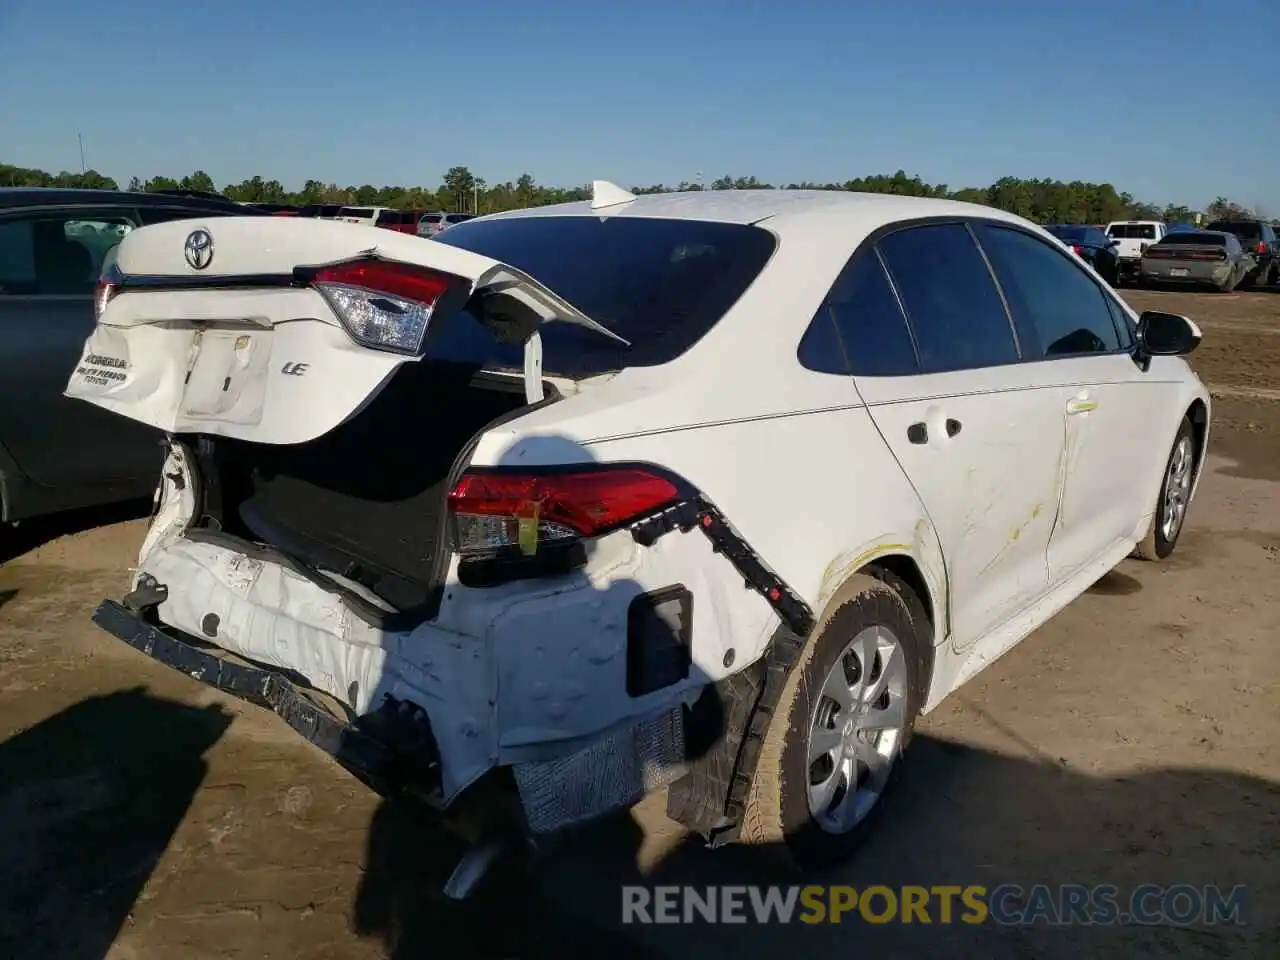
(199, 249)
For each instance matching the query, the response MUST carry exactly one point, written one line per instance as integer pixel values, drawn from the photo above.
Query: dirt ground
(1130, 740)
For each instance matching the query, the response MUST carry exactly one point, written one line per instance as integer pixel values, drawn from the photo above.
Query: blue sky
(393, 91)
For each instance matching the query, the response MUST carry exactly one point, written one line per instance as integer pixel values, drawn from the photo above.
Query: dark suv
(57, 453)
(1259, 240)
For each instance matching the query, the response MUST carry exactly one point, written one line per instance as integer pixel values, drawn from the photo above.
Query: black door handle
(918, 433)
(953, 427)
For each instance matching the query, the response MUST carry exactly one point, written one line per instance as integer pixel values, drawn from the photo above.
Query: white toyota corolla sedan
(717, 491)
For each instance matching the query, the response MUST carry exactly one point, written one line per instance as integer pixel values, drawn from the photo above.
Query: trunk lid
(221, 327)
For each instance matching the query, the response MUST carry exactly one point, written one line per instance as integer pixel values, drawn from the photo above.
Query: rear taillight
(107, 287)
(517, 514)
(1262, 246)
(383, 304)
(1077, 249)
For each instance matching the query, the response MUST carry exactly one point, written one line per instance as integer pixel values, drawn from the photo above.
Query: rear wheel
(1175, 497)
(845, 715)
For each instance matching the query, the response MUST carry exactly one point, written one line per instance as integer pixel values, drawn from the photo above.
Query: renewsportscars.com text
(1007, 904)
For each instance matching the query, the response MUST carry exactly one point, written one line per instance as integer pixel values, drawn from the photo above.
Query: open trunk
(366, 500)
(296, 372)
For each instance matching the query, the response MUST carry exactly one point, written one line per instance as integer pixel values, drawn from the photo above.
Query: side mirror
(1166, 334)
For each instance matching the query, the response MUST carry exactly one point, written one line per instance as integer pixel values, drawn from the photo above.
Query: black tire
(1156, 545)
(777, 817)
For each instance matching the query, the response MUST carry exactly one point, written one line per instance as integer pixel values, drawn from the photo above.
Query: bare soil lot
(1131, 740)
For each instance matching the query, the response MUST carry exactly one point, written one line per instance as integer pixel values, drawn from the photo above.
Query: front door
(1109, 404)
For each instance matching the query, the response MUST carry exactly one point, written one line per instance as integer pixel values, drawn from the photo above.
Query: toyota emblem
(199, 249)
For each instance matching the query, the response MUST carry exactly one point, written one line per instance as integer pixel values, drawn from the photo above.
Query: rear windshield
(356, 212)
(1241, 228)
(659, 284)
(1198, 239)
(1132, 231)
(432, 218)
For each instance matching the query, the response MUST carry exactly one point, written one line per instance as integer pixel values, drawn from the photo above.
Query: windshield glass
(659, 284)
(1198, 239)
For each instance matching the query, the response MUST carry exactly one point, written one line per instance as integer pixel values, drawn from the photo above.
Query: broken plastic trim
(391, 750)
(701, 513)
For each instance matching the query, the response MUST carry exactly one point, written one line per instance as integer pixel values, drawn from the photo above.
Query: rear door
(979, 434)
(49, 263)
(1077, 332)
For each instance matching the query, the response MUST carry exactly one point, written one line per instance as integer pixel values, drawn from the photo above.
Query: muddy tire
(876, 640)
(1171, 511)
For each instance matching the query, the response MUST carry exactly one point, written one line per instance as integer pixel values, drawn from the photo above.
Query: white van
(365, 215)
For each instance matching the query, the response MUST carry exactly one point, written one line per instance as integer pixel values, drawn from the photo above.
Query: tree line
(1042, 201)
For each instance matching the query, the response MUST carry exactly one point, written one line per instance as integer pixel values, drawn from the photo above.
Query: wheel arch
(1198, 414)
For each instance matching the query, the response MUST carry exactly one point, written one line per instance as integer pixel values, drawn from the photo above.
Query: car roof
(39, 196)
(755, 206)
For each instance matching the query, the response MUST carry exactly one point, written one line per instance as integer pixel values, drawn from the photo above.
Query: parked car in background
(479, 494)
(1093, 246)
(1258, 238)
(1200, 257)
(1134, 236)
(433, 223)
(275, 209)
(401, 221)
(363, 215)
(57, 453)
(319, 211)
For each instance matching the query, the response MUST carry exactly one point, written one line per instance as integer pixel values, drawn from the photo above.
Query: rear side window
(1132, 231)
(362, 212)
(389, 217)
(951, 301)
(57, 255)
(431, 218)
(1196, 239)
(860, 328)
(659, 284)
(1049, 294)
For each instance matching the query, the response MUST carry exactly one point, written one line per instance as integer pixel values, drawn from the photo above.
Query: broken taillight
(499, 512)
(383, 304)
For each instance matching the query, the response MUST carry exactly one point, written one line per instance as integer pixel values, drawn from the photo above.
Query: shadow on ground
(961, 816)
(30, 534)
(89, 800)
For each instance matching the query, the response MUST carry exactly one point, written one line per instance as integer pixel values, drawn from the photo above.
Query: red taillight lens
(383, 304)
(1077, 249)
(1262, 246)
(501, 512)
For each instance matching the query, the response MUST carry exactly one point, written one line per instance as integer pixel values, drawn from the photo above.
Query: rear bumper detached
(400, 758)
(393, 751)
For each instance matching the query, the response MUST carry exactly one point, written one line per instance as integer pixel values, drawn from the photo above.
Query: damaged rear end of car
(354, 529)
